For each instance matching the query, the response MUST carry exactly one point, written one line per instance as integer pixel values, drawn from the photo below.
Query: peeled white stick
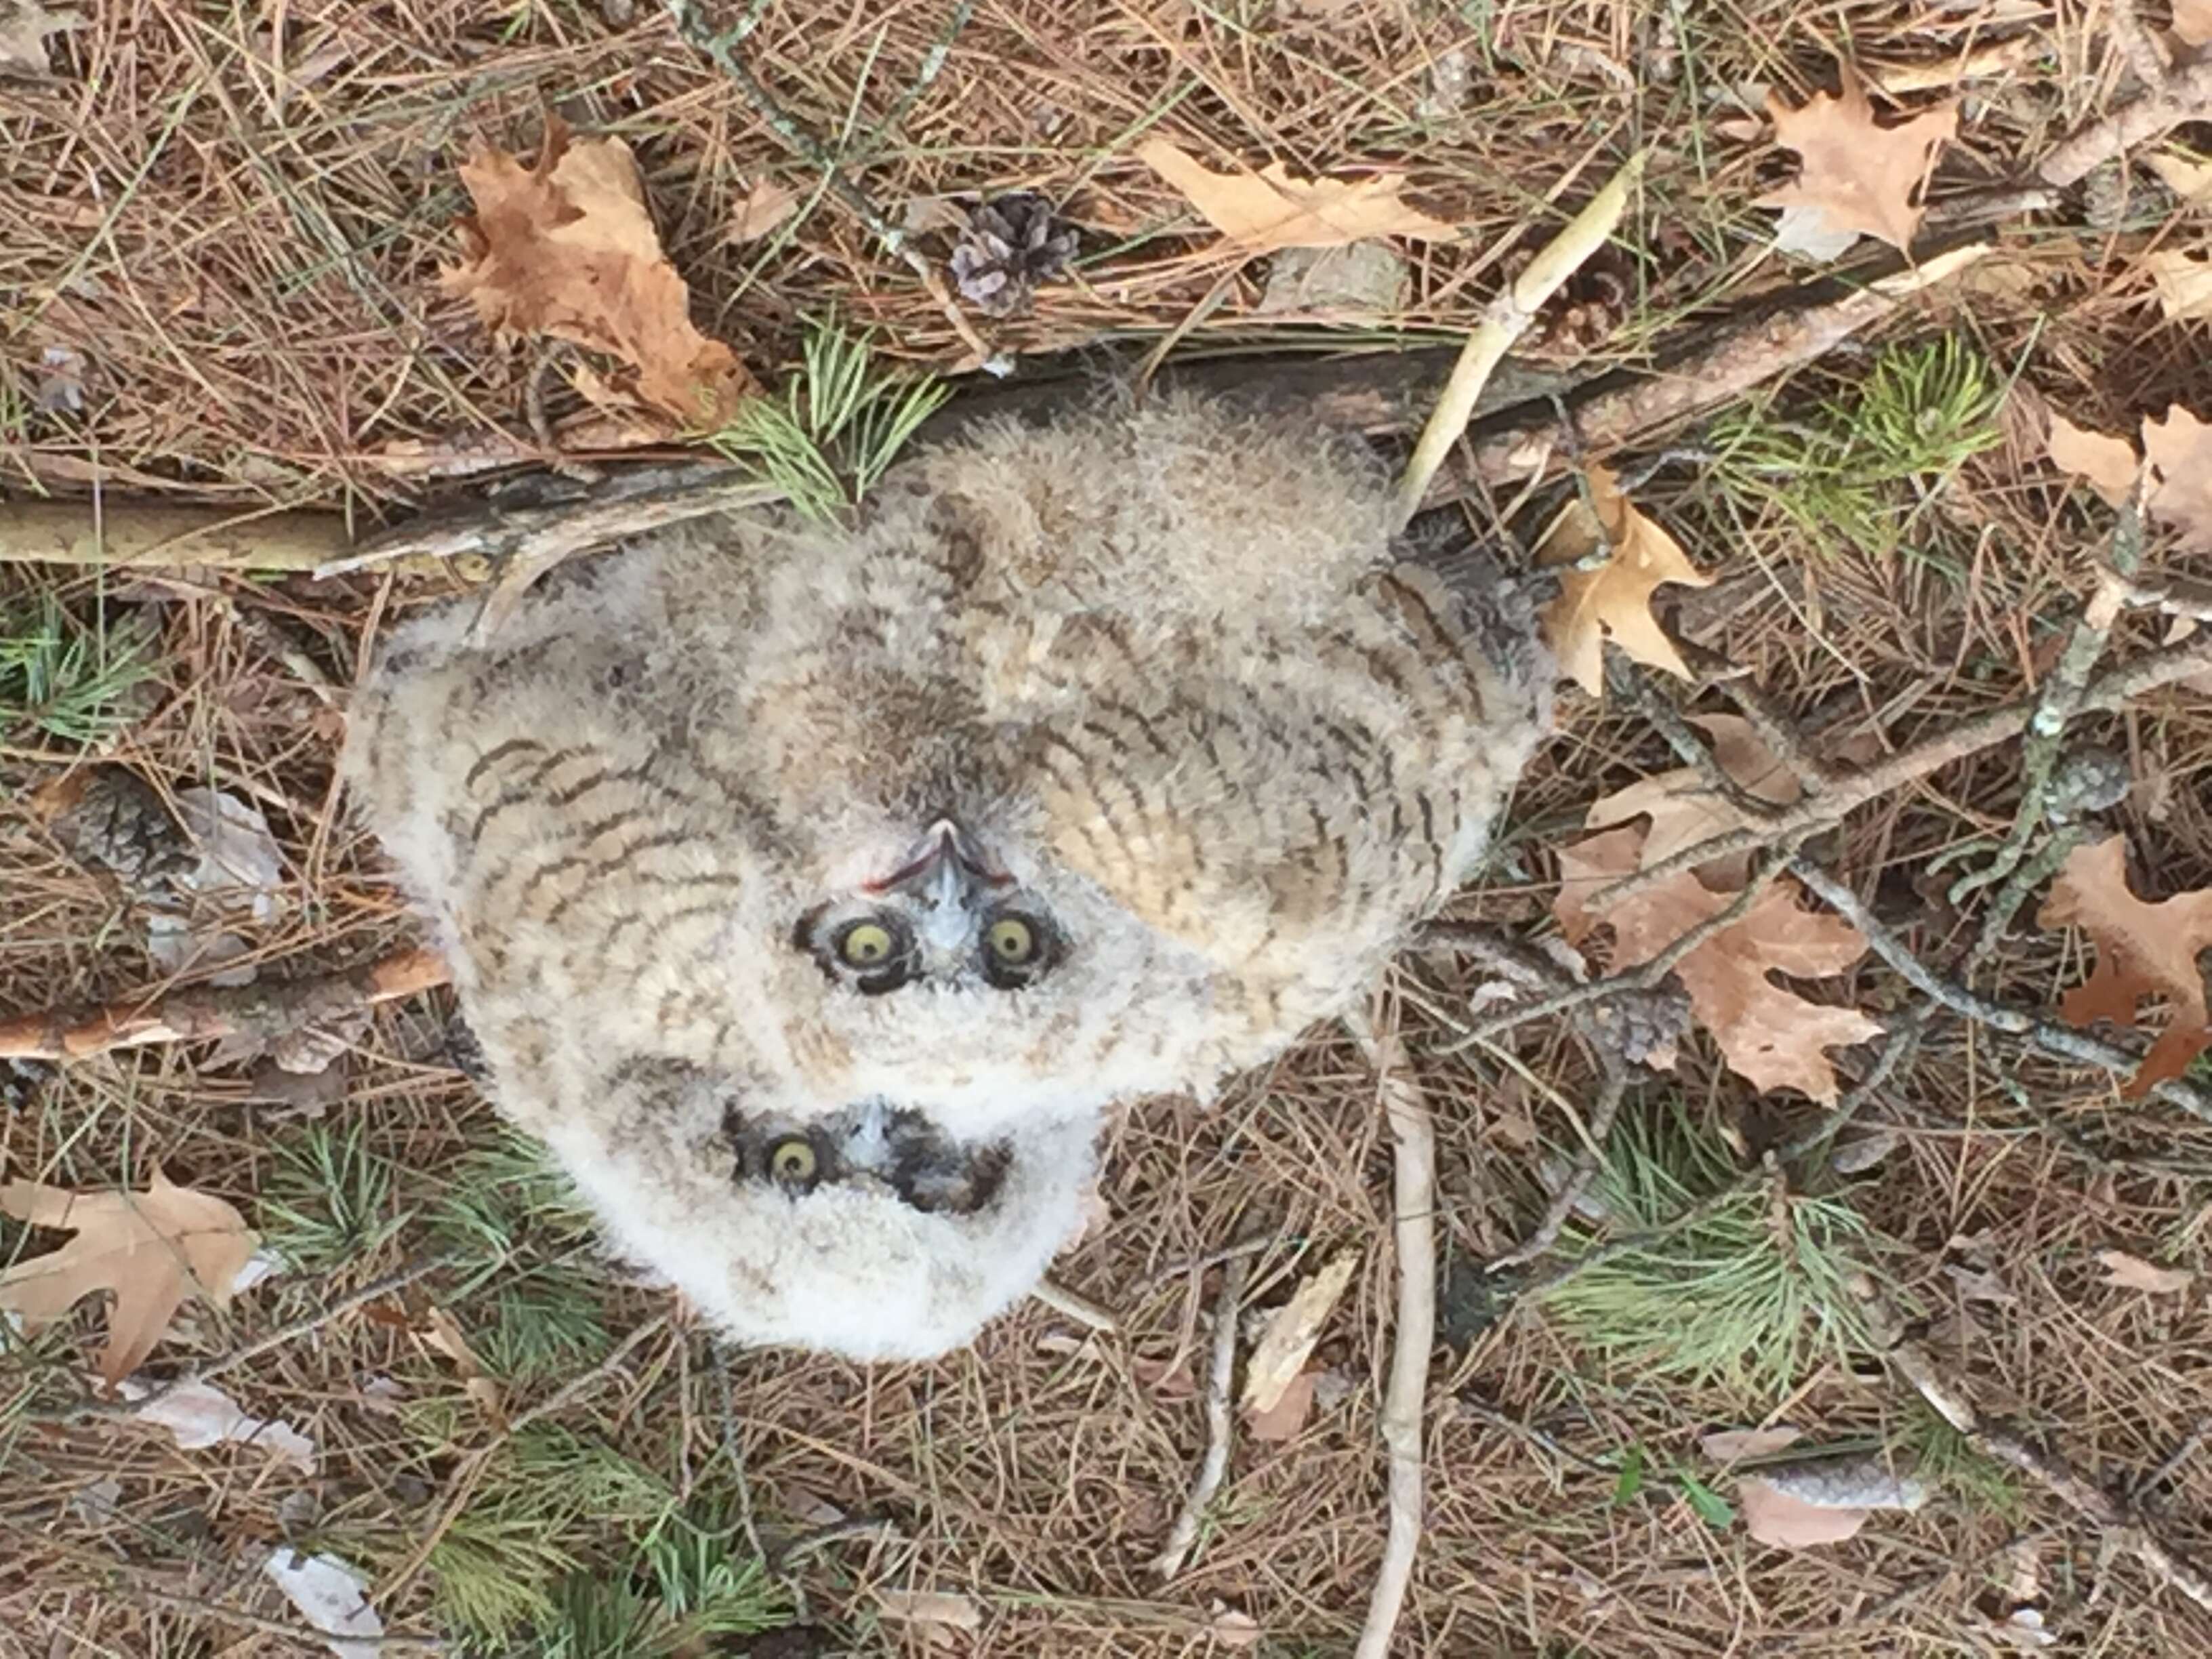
(1505, 320)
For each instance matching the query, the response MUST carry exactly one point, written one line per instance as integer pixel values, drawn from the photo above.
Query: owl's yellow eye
(866, 945)
(1012, 940)
(793, 1162)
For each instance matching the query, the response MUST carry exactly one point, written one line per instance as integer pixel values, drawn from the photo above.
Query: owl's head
(949, 965)
(871, 1231)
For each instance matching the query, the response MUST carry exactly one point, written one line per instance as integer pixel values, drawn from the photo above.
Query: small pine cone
(1642, 1027)
(2088, 780)
(1011, 244)
(108, 818)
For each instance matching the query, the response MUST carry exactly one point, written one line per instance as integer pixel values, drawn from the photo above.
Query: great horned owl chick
(812, 891)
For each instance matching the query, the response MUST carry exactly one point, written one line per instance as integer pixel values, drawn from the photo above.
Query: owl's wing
(577, 844)
(1288, 802)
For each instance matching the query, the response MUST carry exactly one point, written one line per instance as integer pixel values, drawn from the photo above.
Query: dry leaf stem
(1220, 1423)
(1562, 1207)
(721, 50)
(2126, 1526)
(1505, 320)
(262, 1009)
(1414, 1182)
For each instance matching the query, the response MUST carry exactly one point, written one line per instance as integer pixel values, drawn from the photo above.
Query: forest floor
(223, 231)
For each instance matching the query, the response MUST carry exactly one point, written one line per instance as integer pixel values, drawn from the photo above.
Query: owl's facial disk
(873, 1145)
(946, 913)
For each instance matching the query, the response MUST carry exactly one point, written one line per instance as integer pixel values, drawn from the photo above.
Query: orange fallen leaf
(1770, 1036)
(2143, 950)
(152, 1248)
(1786, 1522)
(1613, 601)
(2133, 1273)
(936, 1614)
(446, 1336)
(1684, 810)
(1734, 1445)
(566, 248)
(1261, 212)
(2179, 447)
(2192, 21)
(1856, 174)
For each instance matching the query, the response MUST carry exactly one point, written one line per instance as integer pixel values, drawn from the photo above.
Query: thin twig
(1505, 320)
(2060, 700)
(2126, 1525)
(2111, 690)
(1414, 1182)
(2186, 96)
(2014, 1021)
(266, 1009)
(1578, 1182)
(1080, 1309)
(1220, 1424)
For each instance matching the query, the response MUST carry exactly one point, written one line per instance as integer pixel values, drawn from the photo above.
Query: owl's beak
(946, 873)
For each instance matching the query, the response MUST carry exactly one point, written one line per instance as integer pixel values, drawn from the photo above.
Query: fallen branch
(2186, 96)
(1220, 1424)
(2109, 691)
(2056, 1039)
(1505, 320)
(111, 534)
(1414, 1182)
(2124, 1524)
(1621, 409)
(264, 1009)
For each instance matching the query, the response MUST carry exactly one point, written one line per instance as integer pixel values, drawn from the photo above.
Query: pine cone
(1011, 244)
(108, 818)
(1642, 1027)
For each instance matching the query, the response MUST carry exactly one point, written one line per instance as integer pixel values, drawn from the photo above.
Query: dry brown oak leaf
(152, 1248)
(1773, 1037)
(566, 248)
(2143, 950)
(1857, 173)
(2178, 447)
(1611, 601)
(1262, 212)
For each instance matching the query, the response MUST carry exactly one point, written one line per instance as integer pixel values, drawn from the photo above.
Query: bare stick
(1505, 320)
(2014, 1021)
(261, 1009)
(1717, 370)
(2109, 690)
(1080, 1309)
(2127, 1525)
(68, 532)
(1221, 1426)
(2061, 698)
(1414, 1182)
(2186, 96)
(1578, 1181)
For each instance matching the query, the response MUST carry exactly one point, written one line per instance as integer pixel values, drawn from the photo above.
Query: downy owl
(813, 890)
